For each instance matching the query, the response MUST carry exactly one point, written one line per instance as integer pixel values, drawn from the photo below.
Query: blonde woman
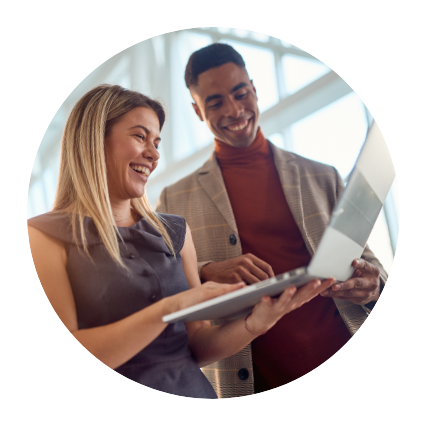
(112, 268)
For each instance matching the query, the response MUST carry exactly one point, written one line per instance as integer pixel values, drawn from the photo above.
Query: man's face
(226, 99)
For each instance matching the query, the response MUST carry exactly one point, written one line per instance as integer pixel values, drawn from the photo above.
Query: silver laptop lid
(357, 210)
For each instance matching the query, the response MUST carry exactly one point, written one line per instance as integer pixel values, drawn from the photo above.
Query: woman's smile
(141, 171)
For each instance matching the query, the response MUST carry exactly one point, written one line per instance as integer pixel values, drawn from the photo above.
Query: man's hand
(247, 268)
(363, 287)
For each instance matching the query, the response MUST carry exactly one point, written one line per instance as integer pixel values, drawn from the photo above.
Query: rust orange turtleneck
(305, 338)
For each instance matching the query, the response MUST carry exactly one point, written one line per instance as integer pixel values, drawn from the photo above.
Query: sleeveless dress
(105, 293)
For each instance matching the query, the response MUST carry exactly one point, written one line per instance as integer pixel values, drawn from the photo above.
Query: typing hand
(247, 268)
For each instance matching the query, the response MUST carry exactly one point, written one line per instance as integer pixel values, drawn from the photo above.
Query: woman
(112, 268)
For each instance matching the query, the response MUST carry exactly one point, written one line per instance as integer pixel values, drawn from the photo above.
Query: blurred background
(305, 108)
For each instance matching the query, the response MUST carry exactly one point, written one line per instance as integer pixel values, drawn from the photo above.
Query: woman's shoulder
(55, 224)
(176, 227)
(172, 219)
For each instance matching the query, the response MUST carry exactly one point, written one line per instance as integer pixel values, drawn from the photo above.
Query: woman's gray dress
(105, 293)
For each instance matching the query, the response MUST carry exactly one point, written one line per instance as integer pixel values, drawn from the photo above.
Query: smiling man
(256, 211)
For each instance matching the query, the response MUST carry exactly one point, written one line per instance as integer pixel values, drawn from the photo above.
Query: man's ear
(197, 111)
(253, 87)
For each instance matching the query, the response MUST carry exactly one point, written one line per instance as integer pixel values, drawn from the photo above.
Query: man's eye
(216, 105)
(241, 96)
(157, 147)
(140, 137)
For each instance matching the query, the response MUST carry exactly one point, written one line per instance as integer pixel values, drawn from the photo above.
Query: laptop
(343, 240)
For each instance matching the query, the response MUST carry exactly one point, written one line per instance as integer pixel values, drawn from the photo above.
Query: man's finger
(355, 283)
(351, 294)
(365, 266)
(262, 265)
(258, 272)
(248, 277)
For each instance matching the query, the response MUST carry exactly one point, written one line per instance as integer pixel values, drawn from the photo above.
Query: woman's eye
(140, 137)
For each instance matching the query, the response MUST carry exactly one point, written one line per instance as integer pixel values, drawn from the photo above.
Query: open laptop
(343, 241)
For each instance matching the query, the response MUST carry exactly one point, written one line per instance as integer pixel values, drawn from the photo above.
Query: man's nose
(234, 109)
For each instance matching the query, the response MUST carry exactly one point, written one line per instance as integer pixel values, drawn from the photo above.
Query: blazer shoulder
(299, 160)
(309, 164)
(309, 170)
(190, 181)
(183, 185)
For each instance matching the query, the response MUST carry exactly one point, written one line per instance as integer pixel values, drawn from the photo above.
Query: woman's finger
(311, 290)
(286, 297)
(219, 289)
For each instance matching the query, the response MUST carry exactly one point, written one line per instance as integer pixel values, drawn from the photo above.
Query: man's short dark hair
(208, 57)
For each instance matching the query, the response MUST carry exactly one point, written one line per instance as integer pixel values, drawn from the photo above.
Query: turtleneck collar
(258, 149)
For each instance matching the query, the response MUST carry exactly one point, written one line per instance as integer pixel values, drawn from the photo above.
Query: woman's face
(131, 153)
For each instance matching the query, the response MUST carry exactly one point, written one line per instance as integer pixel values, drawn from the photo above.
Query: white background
(377, 47)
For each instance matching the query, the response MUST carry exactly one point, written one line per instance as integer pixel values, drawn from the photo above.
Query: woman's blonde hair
(82, 188)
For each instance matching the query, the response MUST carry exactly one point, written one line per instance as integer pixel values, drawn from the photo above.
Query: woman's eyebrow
(141, 127)
(144, 128)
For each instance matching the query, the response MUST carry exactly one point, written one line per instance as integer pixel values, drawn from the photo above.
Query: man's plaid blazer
(311, 190)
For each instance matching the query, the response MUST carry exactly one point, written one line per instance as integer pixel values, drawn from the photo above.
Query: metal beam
(275, 47)
(306, 101)
(50, 145)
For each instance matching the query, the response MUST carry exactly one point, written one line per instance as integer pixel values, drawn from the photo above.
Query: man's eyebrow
(239, 86)
(144, 128)
(212, 97)
(234, 89)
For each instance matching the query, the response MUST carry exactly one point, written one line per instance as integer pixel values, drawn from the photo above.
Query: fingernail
(316, 283)
(336, 287)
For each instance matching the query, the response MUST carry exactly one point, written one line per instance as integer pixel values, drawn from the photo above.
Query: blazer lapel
(210, 178)
(290, 179)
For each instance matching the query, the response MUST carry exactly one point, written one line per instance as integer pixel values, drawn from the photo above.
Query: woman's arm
(209, 344)
(115, 343)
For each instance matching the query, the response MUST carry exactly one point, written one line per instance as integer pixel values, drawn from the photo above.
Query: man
(256, 211)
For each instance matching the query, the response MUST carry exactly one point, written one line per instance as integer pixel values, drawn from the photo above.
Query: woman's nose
(151, 153)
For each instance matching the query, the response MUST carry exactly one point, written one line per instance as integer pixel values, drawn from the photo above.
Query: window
(300, 72)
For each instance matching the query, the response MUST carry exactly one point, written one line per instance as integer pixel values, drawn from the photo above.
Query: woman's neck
(122, 213)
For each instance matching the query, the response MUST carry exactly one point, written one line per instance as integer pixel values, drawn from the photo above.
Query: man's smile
(239, 126)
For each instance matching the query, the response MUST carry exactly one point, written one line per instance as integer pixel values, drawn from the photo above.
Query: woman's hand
(270, 310)
(199, 294)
